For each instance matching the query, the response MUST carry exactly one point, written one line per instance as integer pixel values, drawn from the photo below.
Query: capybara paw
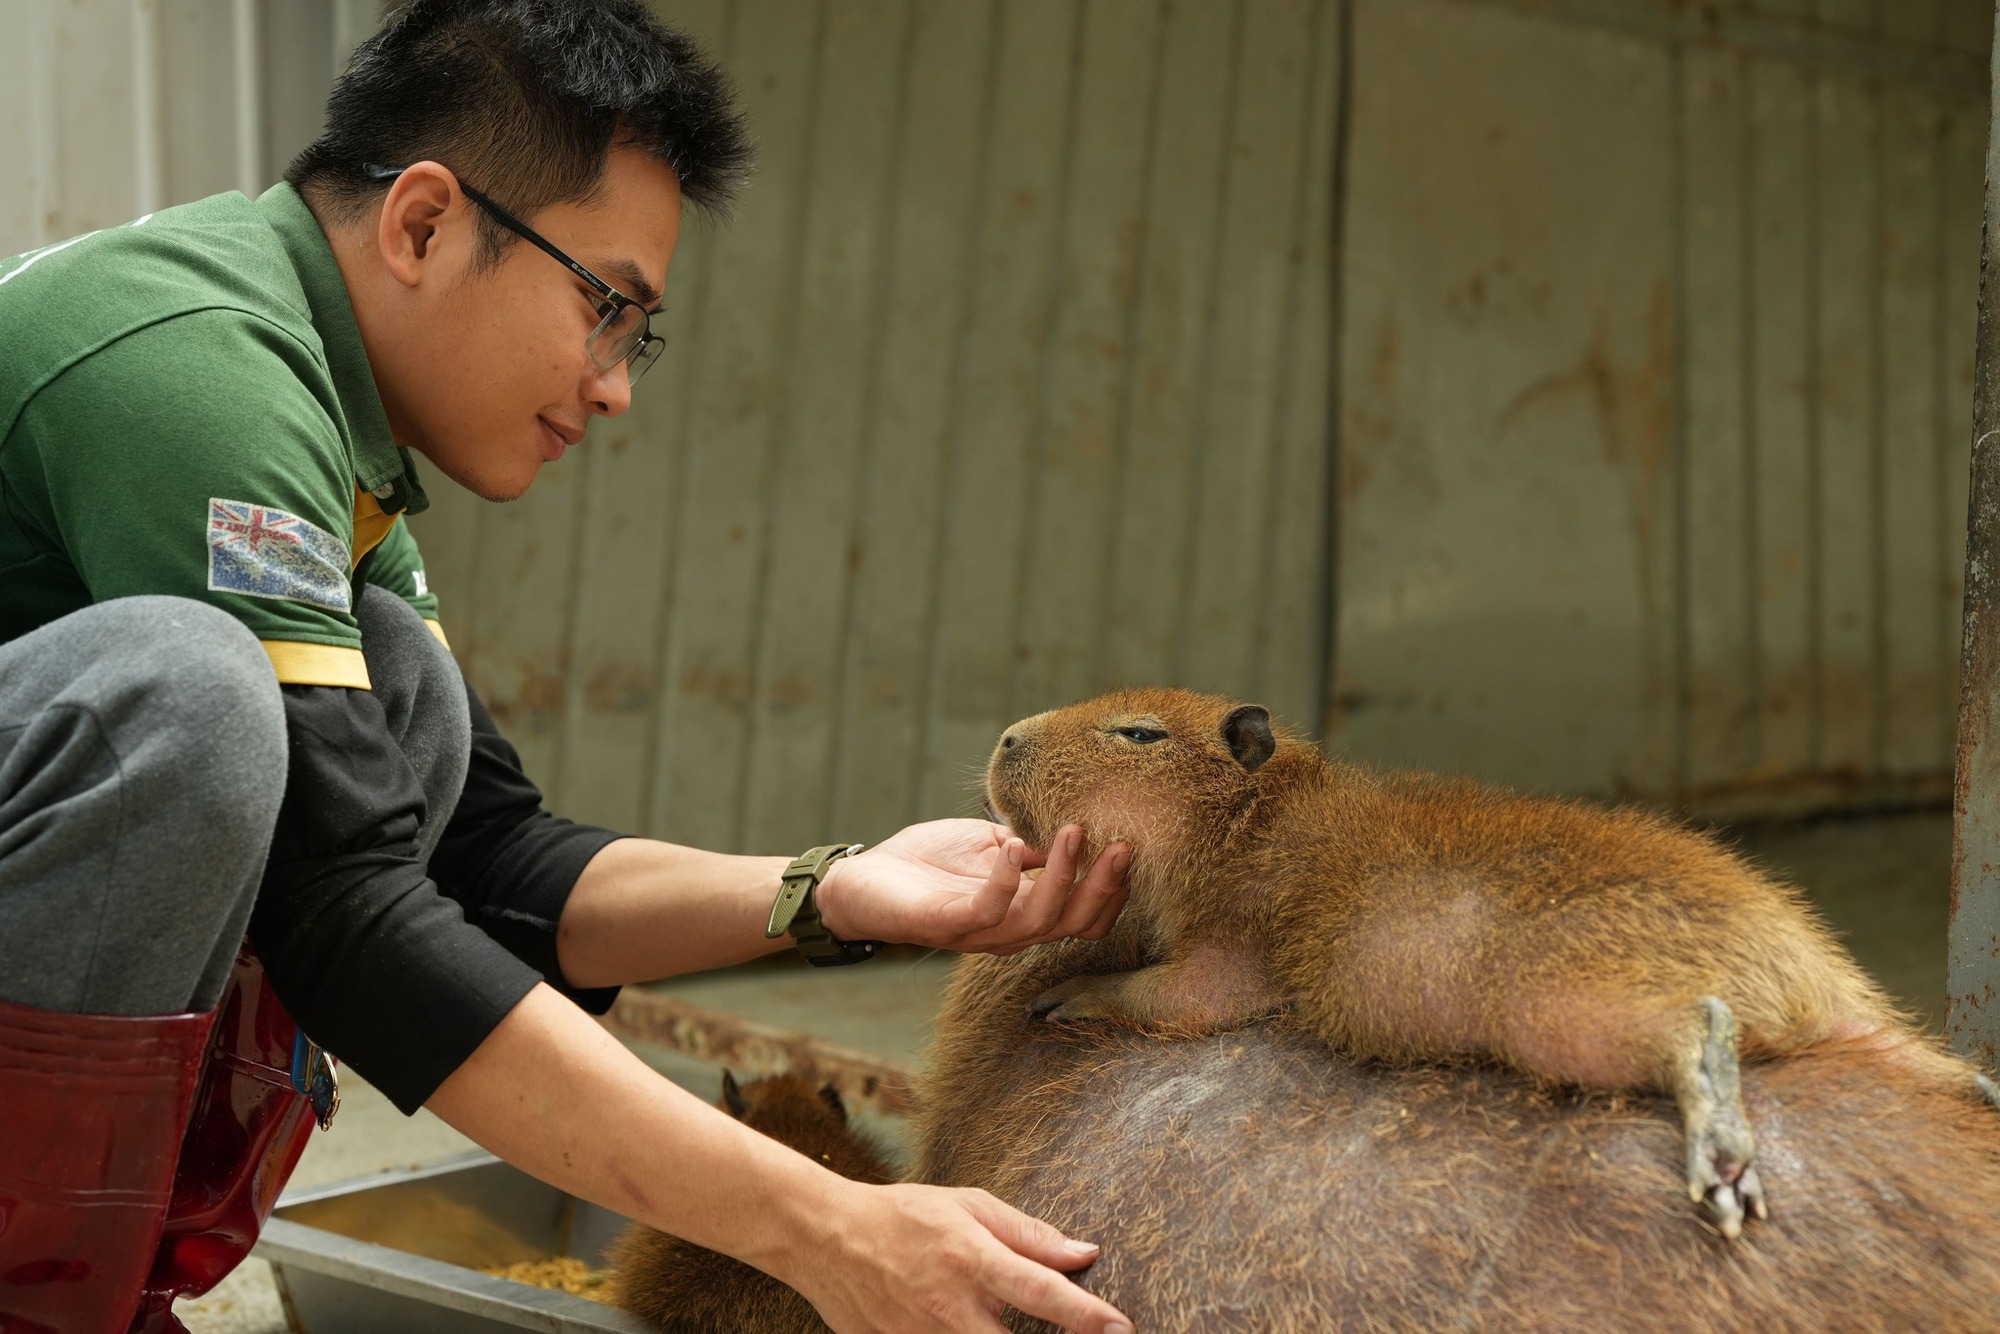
(1079, 1000)
(1720, 1147)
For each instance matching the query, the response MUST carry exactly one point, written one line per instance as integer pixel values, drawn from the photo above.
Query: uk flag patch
(266, 553)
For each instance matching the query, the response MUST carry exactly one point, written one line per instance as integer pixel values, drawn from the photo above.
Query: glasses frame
(643, 353)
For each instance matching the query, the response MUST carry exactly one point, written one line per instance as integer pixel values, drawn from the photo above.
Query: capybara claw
(1075, 1010)
(1066, 1001)
(1728, 1212)
(1083, 1000)
(1750, 1189)
(1051, 1012)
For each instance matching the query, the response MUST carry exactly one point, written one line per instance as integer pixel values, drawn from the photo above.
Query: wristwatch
(795, 911)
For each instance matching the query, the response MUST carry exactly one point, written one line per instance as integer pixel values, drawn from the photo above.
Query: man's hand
(928, 1258)
(961, 885)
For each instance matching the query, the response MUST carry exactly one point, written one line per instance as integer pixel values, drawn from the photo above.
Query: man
(221, 704)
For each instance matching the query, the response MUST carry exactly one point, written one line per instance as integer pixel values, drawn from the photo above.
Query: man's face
(502, 381)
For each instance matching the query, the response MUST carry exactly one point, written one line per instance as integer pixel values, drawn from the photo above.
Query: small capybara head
(812, 1120)
(678, 1285)
(1168, 772)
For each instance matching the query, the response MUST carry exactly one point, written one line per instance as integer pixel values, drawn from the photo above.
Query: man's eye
(1145, 736)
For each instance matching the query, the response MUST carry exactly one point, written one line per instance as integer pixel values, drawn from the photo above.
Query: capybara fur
(1409, 917)
(1253, 1180)
(683, 1287)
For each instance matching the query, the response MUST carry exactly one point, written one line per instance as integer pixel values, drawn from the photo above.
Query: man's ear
(732, 1097)
(417, 212)
(1247, 729)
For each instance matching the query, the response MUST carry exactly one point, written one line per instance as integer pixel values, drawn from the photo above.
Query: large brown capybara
(1410, 917)
(1252, 1180)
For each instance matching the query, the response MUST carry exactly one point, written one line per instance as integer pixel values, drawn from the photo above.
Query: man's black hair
(524, 98)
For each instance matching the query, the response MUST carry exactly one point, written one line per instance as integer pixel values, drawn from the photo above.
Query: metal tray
(400, 1252)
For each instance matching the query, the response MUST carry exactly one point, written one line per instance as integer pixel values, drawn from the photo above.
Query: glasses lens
(643, 358)
(613, 339)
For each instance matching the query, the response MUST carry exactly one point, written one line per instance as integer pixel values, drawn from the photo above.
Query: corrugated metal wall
(1656, 378)
(1010, 383)
(113, 108)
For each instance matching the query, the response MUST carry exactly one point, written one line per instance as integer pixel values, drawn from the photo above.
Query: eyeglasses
(625, 333)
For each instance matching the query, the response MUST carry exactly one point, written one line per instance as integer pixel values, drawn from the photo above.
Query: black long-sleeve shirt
(400, 968)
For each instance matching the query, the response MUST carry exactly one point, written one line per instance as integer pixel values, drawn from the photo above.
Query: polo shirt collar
(379, 466)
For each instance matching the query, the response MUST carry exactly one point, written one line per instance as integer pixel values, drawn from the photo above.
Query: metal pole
(1973, 969)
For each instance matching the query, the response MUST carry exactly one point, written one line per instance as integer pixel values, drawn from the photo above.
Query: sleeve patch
(266, 553)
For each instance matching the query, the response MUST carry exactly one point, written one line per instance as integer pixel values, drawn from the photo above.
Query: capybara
(683, 1287)
(1410, 917)
(1253, 1180)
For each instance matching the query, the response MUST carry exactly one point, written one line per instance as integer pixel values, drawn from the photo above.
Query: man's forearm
(644, 909)
(641, 910)
(555, 1095)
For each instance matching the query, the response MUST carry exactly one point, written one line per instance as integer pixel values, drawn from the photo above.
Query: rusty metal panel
(1940, 42)
(1717, 696)
(750, 1048)
(829, 397)
(1914, 718)
(879, 753)
(115, 108)
(1972, 984)
(28, 150)
(1253, 480)
(1008, 385)
(1081, 379)
(1508, 413)
(1779, 140)
(1845, 388)
(1653, 354)
(1011, 306)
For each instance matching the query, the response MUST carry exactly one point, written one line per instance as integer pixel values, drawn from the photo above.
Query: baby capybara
(683, 1287)
(1409, 917)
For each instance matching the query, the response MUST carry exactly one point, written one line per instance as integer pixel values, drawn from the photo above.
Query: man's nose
(610, 392)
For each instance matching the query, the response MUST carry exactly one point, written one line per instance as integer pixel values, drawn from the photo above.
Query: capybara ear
(1247, 729)
(830, 1095)
(732, 1097)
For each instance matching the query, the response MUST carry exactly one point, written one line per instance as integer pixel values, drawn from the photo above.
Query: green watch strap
(795, 911)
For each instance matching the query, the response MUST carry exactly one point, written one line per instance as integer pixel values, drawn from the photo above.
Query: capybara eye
(1145, 736)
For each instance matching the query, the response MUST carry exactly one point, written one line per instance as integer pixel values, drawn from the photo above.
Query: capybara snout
(1150, 768)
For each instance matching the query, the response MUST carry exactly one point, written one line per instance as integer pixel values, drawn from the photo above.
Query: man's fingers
(1024, 1234)
(1029, 1279)
(1040, 1291)
(1107, 916)
(1038, 911)
(1005, 915)
(1029, 856)
(1098, 898)
(989, 906)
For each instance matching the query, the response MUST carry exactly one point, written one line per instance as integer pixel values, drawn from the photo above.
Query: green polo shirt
(186, 409)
